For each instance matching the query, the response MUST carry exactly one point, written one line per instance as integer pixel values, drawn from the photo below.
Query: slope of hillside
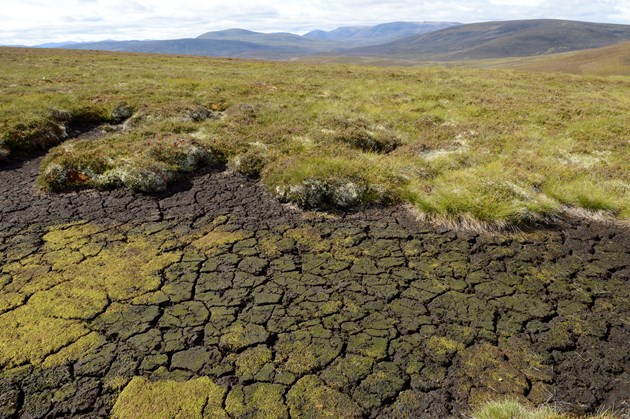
(372, 35)
(502, 39)
(613, 60)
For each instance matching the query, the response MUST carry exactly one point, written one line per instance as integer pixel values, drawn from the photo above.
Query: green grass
(510, 409)
(485, 146)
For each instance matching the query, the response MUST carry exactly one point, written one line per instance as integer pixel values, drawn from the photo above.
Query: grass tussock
(511, 409)
(489, 147)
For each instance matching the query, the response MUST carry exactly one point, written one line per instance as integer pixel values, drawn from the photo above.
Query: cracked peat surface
(217, 301)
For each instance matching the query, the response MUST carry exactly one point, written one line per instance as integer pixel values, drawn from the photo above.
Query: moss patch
(196, 398)
(251, 361)
(261, 400)
(28, 335)
(240, 336)
(67, 287)
(311, 398)
(217, 239)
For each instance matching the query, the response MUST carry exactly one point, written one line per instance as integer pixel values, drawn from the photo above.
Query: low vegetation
(494, 147)
(508, 409)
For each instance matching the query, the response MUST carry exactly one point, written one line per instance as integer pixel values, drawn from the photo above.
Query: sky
(32, 22)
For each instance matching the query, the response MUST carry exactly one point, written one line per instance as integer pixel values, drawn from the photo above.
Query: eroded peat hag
(225, 303)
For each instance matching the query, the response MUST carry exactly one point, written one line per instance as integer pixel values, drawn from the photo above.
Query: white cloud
(37, 21)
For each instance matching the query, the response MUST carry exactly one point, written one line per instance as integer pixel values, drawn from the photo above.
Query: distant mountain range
(417, 41)
(241, 43)
(379, 34)
(207, 47)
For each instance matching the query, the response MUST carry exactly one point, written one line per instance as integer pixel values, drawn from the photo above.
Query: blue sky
(30, 22)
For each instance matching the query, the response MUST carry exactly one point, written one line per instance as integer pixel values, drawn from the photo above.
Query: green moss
(261, 400)
(198, 398)
(305, 350)
(240, 336)
(308, 238)
(122, 270)
(75, 290)
(72, 236)
(28, 335)
(10, 300)
(347, 371)
(311, 398)
(75, 351)
(297, 357)
(69, 301)
(484, 368)
(216, 239)
(442, 349)
(370, 346)
(251, 361)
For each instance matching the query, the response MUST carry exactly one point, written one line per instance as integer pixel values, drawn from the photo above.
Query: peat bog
(211, 298)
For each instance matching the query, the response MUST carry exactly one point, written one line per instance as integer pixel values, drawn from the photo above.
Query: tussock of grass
(511, 409)
(144, 165)
(487, 147)
(325, 182)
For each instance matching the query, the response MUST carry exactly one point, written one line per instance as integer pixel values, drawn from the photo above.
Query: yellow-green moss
(311, 398)
(71, 236)
(260, 400)
(215, 239)
(116, 382)
(69, 301)
(10, 300)
(251, 361)
(309, 238)
(198, 398)
(297, 357)
(442, 348)
(73, 289)
(488, 374)
(239, 336)
(27, 335)
(75, 351)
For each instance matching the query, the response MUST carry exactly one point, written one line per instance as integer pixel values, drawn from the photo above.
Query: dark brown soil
(406, 319)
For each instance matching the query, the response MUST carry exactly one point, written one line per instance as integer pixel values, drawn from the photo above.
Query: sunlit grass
(489, 146)
(511, 409)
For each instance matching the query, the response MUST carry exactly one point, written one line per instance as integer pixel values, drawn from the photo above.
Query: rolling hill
(613, 60)
(278, 39)
(371, 35)
(518, 38)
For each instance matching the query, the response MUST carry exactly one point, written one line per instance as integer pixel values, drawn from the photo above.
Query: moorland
(199, 237)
